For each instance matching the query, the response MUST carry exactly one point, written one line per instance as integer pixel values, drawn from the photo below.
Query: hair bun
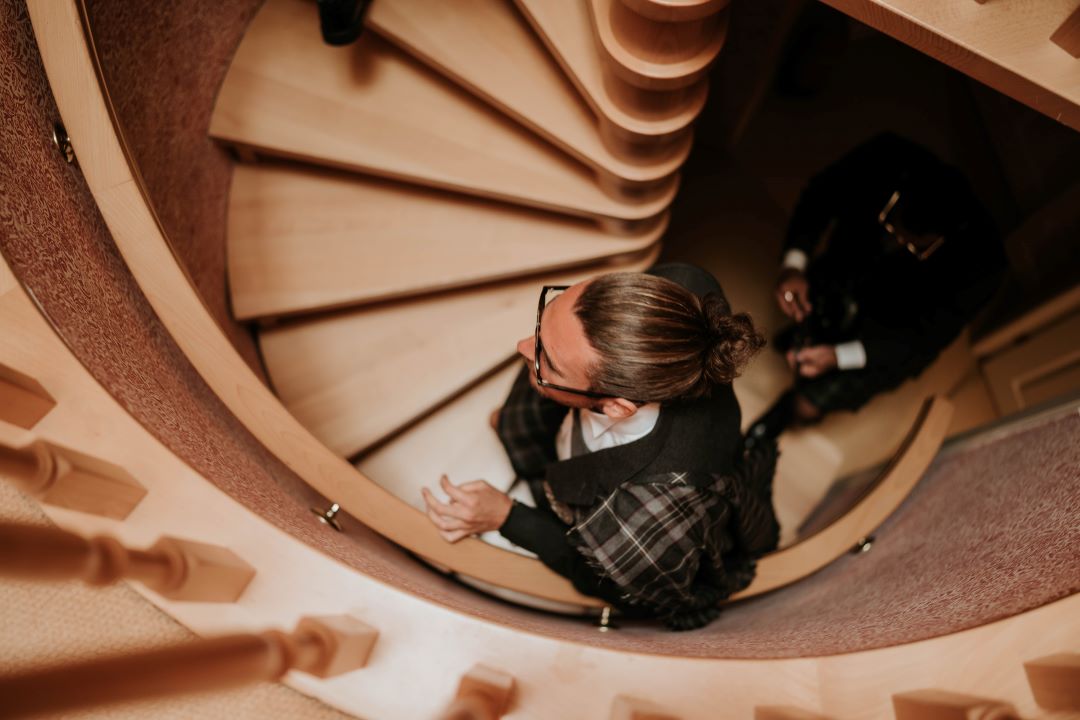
(735, 341)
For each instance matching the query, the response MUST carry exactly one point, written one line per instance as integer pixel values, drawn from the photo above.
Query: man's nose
(526, 347)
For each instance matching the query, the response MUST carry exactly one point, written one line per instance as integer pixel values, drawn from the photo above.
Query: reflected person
(625, 426)
(888, 256)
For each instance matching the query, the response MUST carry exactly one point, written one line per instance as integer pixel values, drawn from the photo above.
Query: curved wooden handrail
(892, 487)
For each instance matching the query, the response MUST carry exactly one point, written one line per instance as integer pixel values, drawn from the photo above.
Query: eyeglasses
(539, 348)
(883, 219)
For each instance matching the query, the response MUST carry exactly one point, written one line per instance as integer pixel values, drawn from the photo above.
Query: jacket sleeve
(540, 532)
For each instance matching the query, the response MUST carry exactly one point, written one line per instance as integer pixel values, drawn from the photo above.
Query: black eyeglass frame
(538, 348)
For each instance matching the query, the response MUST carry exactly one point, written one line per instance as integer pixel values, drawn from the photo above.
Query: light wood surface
(1067, 37)
(1004, 44)
(566, 29)
(946, 705)
(301, 240)
(175, 568)
(66, 478)
(369, 108)
(634, 47)
(58, 29)
(785, 712)
(675, 10)
(354, 378)
(317, 646)
(668, 43)
(1055, 681)
(483, 694)
(626, 707)
(906, 469)
(1042, 366)
(487, 47)
(23, 402)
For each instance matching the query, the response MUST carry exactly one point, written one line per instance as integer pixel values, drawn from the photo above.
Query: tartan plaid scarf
(679, 543)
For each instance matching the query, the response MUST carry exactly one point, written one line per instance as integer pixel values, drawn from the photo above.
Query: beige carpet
(47, 622)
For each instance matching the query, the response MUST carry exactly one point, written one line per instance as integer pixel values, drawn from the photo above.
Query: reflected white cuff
(795, 259)
(850, 355)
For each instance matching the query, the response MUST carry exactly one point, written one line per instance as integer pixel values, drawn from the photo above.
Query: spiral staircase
(396, 205)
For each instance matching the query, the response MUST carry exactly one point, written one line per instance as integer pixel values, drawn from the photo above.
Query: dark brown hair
(658, 341)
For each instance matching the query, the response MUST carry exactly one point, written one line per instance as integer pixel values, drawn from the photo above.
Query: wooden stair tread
(643, 72)
(456, 439)
(487, 47)
(301, 239)
(566, 29)
(355, 377)
(675, 10)
(370, 108)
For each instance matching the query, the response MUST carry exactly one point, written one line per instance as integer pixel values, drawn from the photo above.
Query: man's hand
(793, 294)
(475, 507)
(812, 361)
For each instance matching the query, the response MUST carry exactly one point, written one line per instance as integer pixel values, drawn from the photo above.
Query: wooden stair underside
(487, 47)
(567, 30)
(370, 108)
(302, 240)
(354, 378)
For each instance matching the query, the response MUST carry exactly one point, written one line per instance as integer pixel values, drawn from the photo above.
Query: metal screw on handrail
(63, 142)
(863, 545)
(328, 517)
(604, 623)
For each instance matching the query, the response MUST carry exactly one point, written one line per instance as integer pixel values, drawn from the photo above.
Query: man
(909, 256)
(626, 428)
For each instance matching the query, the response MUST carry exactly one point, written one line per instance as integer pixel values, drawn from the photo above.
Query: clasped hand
(813, 360)
(475, 507)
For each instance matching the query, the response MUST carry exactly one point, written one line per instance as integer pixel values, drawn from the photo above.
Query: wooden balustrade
(631, 708)
(1067, 37)
(945, 705)
(23, 401)
(174, 568)
(323, 647)
(482, 694)
(1055, 681)
(65, 478)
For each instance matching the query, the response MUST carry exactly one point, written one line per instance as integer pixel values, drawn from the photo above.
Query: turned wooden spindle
(785, 712)
(23, 401)
(320, 646)
(482, 694)
(1067, 37)
(65, 478)
(945, 705)
(174, 568)
(1055, 681)
(631, 708)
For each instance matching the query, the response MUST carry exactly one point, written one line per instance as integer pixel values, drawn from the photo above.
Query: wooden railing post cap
(632, 708)
(494, 685)
(207, 573)
(348, 641)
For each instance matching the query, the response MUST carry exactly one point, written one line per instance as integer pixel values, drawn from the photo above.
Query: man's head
(632, 338)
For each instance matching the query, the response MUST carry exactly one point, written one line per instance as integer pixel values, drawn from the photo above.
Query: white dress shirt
(601, 432)
(849, 355)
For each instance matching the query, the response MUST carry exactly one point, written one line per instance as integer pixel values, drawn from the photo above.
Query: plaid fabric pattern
(527, 424)
(678, 543)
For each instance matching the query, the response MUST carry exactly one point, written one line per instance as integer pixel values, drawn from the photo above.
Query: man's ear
(618, 408)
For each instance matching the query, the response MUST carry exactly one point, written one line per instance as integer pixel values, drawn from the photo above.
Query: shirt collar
(594, 424)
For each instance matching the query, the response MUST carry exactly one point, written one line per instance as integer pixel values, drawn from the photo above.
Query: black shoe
(769, 426)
